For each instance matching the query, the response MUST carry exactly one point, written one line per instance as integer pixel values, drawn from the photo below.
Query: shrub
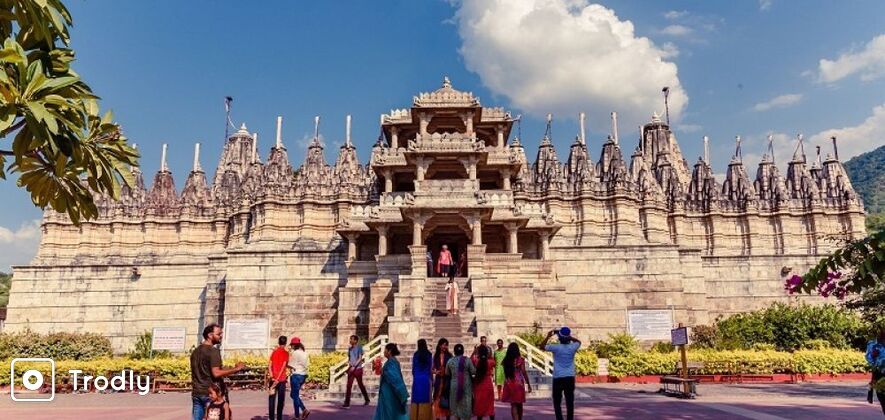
(786, 327)
(58, 346)
(586, 362)
(142, 348)
(703, 337)
(829, 361)
(816, 344)
(762, 347)
(533, 336)
(618, 344)
(662, 347)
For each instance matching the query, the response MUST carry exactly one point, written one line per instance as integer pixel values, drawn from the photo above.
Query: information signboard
(650, 324)
(168, 338)
(679, 336)
(246, 334)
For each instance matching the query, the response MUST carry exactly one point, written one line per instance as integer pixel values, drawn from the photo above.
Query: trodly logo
(32, 379)
(127, 380)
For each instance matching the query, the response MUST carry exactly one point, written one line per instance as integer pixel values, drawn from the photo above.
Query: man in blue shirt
(355, 370)
(563, 370)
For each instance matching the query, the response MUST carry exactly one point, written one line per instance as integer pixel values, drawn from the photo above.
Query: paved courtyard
(609, 401)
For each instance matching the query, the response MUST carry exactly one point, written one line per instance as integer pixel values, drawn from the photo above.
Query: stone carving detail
(580, 170)
(547, 172)
(162, 199)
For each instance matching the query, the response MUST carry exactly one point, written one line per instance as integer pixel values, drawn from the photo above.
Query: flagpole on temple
(227, 122)
(666, 91)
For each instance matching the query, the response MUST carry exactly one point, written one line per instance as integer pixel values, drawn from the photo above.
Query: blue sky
(744, 68)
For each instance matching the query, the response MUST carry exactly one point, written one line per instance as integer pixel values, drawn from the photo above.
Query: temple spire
(347, 133)
(800, 148)
(615, 127)
(163, 167)
(737, 148)
(197, 167)
(835, 148)
(640, 138)
(707, 150)
(771, 147)
(549, 125)
(254, 147)
(581, 117)
(316, 129)
(279, 132)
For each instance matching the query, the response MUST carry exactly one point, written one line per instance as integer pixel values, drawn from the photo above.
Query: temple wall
(107, 299)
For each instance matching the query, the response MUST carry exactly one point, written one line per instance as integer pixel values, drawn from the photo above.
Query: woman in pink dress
(515, 380)
(452, 297)
(445, 265)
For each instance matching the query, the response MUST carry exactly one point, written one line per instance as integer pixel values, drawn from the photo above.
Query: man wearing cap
(563, 370)
(298, 362)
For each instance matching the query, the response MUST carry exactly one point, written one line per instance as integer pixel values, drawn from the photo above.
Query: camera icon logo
(32, 379)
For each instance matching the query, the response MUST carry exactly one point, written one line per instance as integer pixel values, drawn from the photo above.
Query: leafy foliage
(142, 348)
(662, 347)
(586, 362)
(62, 147)
(784, 327)
(618, 344)
(5, 285)
(58, 346)
(854, 268)
(533, 336)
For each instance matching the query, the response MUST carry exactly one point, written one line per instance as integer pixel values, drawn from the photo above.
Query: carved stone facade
(326, 251)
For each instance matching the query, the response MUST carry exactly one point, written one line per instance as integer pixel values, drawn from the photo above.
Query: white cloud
(781, 101)
(19, 246)
(675, 14)
(869, 62)
(564, 56)
(676, 30)
(765, 5)
(858, 139)
(669, 50)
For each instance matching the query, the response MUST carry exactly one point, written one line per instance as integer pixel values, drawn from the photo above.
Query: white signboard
(650, 324)
(168, 338)
(246, 334)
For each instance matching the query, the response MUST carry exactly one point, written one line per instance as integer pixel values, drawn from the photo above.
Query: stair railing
(534, 357)
(370, 350)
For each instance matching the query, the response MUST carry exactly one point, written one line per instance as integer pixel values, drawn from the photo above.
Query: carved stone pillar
(467, 118)
(388, 180)
(423, 122)
(382, 240)
(418, 221)
(505, 178)
(394, 138)
(500, 132)
(470, 166)
(512, 244)
(351, 246)
(475, 223)
(545, 244)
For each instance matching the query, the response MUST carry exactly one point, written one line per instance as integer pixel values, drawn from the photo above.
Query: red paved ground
(767, 402)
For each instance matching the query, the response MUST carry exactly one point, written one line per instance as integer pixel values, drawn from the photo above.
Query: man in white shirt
(563, 370)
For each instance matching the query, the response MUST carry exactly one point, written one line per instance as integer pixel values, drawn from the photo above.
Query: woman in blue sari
(422, 362)
(392, 394)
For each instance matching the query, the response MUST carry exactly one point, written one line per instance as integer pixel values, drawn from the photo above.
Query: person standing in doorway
(441, 358)
(206, 369)
(499, 354)
(445, 265)
(563, 370)
(422, 383)
(277, 375)
(462, 264)
(429, 263)
(355, 371)
(452, 297)
(299, 361)
(393, 396)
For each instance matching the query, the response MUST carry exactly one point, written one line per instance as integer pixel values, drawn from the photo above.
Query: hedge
(58, 346)
(741, 361)
(173, 368)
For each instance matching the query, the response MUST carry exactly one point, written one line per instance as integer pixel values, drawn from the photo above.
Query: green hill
(867, 173)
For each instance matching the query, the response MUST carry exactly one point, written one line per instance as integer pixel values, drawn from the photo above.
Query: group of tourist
(453, 385)
(209, 396)
(446, 265)
(445, 384)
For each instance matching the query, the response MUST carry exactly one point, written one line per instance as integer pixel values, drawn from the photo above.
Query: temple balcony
(388, 157)
(443, 188)
(446, 143)
(455, 195)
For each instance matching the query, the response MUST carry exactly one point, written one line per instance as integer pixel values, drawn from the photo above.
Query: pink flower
(793, 283)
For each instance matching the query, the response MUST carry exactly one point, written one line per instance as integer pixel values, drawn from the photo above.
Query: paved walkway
(609, 401)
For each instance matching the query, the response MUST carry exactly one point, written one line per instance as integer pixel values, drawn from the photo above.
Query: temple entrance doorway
(456, 241)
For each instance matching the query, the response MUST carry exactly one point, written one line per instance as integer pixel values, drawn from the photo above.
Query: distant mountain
(867, 173)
